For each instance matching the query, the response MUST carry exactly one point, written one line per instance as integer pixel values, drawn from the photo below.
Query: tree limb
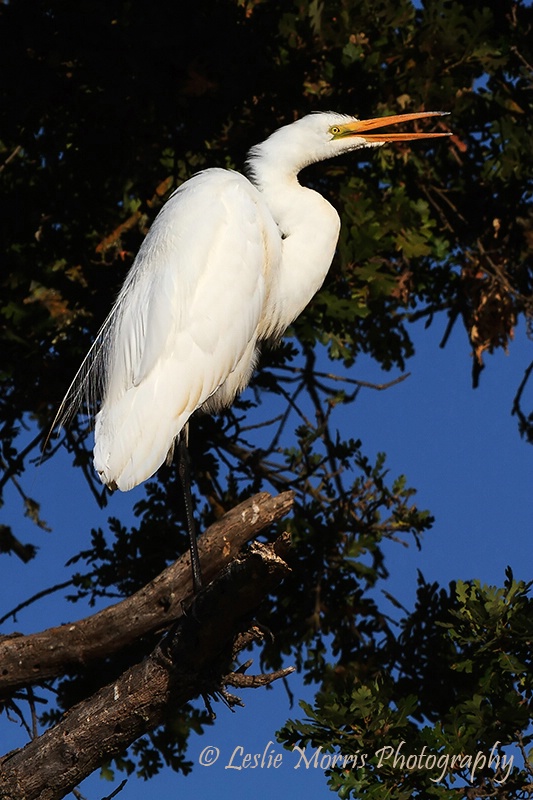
(190, 660)
(31, 659)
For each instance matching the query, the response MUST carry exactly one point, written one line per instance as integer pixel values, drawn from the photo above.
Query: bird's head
(323, 135)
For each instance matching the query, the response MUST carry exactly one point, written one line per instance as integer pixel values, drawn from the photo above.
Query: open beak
(361, 127)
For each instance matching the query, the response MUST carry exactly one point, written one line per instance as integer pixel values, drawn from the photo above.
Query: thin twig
(517, 409)
(12, 467)
(116, 791)
(10, 158)
(43, 593)
(241, 681)
(354, 381)
(13, 706)
(100, 496)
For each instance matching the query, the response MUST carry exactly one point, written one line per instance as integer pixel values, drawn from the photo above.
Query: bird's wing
(185, 320)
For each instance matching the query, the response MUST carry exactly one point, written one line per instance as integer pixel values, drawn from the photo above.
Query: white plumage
(228, 262)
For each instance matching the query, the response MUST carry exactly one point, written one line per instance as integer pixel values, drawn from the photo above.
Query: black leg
(185, 477)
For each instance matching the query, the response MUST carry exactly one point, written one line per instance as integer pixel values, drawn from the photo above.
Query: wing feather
(185, 323)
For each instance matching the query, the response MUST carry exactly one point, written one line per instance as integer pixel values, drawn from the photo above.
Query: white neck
(309, 227)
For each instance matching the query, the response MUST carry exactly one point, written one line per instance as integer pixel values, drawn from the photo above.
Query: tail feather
(134, 434)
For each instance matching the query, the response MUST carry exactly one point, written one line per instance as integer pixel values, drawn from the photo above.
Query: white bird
(229, 262)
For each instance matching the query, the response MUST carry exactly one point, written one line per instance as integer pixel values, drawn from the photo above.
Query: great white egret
(229, 262)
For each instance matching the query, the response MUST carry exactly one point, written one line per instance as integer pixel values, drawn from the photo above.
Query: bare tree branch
(31, 659)
(191, 660)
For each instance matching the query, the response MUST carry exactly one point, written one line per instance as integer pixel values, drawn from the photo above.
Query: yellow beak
(361, 127)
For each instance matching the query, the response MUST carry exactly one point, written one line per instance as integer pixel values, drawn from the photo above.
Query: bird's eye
(335, 130)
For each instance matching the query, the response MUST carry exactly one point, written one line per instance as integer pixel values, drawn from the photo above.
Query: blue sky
(459, 447)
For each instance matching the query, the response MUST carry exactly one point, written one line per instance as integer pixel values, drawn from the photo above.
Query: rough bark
(190, 660)
(26, 660)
